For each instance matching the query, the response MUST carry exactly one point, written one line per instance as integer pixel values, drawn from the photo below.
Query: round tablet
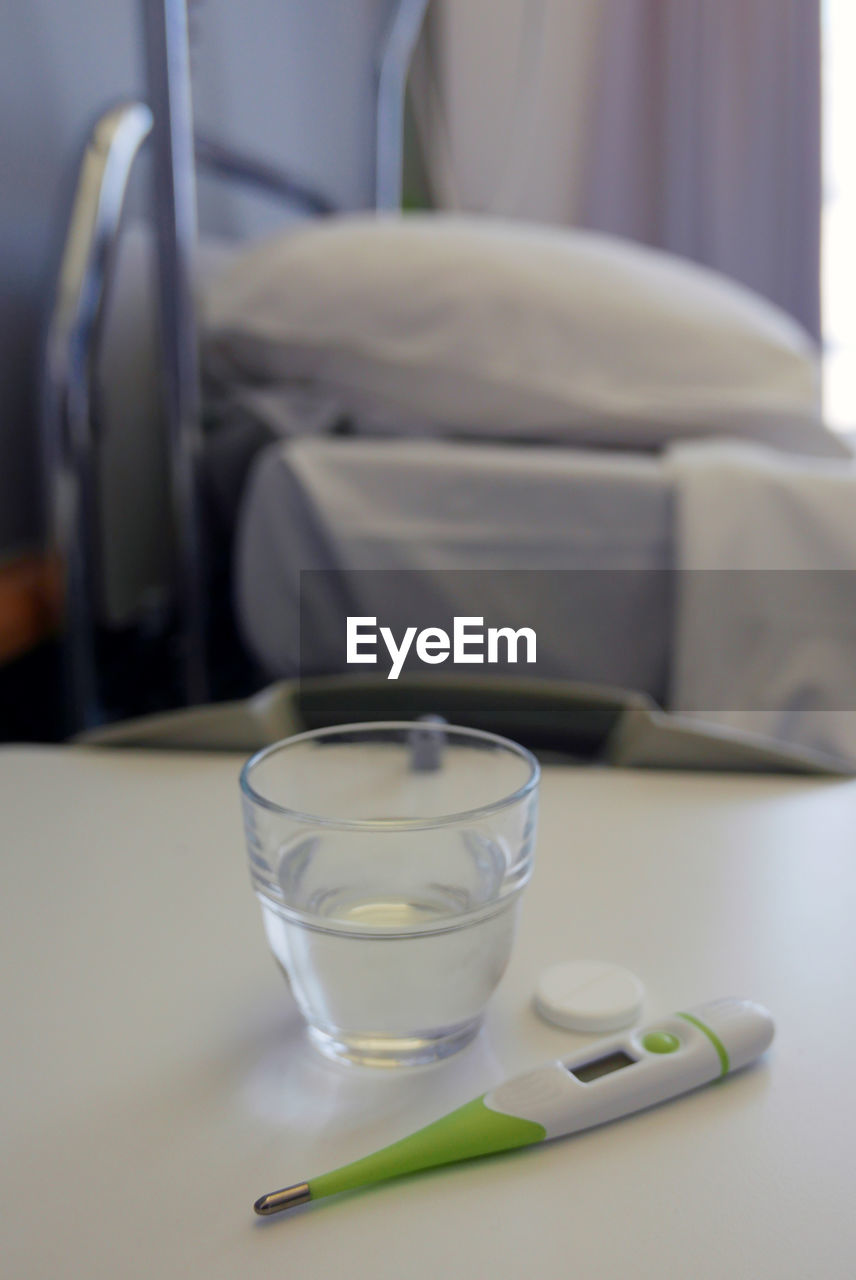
(589, 995)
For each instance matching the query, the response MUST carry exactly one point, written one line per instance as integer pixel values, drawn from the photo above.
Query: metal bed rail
(395, 62)
(69, 420)
(71, 345)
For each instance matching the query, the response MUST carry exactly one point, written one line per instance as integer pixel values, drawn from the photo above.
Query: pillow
(469, 326)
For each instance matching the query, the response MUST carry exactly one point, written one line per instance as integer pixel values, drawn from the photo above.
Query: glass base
(393, 1051)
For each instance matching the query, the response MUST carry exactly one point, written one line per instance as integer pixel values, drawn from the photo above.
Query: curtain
(691, 125)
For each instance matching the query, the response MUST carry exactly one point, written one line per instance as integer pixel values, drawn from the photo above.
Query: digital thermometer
(611, 1078)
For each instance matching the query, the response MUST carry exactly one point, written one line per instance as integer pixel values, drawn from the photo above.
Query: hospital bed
(309, 499)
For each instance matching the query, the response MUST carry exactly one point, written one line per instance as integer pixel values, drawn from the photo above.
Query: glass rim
(392, 824)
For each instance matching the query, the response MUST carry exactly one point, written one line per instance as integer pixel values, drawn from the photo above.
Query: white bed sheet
(437, 506)
(765, 601)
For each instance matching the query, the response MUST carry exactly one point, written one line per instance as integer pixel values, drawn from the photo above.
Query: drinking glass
(389, 860)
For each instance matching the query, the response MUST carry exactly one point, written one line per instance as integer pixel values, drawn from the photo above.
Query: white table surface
(155, 1077)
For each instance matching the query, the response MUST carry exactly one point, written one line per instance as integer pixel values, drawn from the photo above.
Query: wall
(290, 79)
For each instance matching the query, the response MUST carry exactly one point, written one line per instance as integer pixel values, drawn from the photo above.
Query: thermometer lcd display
(602, 1066)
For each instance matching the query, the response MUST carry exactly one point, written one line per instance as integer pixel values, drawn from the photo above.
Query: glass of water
(389, 859)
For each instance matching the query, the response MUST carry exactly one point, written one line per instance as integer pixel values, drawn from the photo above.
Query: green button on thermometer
(660, 1042)
(609, 1079)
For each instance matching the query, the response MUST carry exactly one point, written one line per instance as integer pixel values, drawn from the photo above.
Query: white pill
(589, 995)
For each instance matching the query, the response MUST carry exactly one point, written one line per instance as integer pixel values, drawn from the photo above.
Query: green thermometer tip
(471, 1130)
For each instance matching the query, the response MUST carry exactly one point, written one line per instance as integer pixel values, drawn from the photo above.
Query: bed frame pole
(69, 428)
(394, 67)
(169, 91)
